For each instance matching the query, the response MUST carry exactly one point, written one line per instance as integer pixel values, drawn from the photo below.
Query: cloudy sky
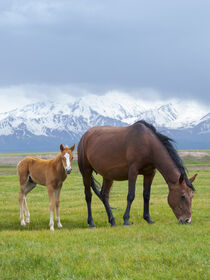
(148, 49)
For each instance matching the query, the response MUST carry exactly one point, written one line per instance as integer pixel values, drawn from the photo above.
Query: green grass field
(164, 250)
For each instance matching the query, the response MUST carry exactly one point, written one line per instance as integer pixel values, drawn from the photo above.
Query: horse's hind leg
(88, 197)
(146, 195)
(105, 198)
(132, 176)
(86, 171)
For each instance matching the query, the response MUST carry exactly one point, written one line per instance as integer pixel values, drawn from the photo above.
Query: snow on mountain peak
(79, 113)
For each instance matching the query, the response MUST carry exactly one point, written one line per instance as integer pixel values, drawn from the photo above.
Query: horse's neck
(166, 165)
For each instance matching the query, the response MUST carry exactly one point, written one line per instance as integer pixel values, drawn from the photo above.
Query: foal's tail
(23, 170)
(96, 186)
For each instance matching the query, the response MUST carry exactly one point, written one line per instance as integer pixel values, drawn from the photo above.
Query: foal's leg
(27, 213)
(146, 195)
(51, 194)
(132, 176)
(105, 198)
(28, 187)
(23, 177)
(57, 202)
(21, 201)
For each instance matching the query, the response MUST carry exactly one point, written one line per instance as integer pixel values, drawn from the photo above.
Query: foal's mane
(166, 141)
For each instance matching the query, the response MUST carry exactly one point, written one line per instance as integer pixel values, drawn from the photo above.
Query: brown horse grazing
(50, 173)
(121, 153)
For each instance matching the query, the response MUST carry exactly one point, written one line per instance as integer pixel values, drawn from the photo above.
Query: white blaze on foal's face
(68, 163)
(67, 157)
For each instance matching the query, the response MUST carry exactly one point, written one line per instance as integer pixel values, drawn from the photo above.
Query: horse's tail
(96, 186)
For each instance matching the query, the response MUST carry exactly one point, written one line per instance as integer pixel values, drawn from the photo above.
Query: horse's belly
(116, 174)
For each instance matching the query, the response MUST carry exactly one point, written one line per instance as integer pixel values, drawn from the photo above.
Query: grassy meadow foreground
(164, 250)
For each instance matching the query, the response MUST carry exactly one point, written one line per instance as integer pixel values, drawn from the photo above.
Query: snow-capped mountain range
(43, 126)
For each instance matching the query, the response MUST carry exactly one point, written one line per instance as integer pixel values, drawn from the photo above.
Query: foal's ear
(72, 148)
(193, 178)
(61, 147)
(181, 178)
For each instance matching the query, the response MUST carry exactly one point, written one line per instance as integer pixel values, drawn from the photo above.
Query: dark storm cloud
(126, 45)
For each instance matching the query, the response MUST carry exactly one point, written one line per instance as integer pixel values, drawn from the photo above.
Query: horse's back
(100, 139)
(113, 149)
(105, 138)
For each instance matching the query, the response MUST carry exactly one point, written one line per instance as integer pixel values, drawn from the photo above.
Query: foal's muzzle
(68, 171)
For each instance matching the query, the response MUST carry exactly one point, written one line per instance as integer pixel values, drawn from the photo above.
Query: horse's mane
(166, 141)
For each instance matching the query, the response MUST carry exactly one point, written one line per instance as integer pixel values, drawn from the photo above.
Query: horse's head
(67, 157)
(180, 199)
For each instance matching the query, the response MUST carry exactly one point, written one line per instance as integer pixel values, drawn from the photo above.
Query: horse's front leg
(57, 202)
(51, 193)
(132, 176)
(146, 195)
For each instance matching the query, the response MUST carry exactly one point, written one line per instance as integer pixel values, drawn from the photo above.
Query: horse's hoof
(92, 226)
(51, 228)
(149, 221)
(112, 222)
(126, 224)
(27, 220)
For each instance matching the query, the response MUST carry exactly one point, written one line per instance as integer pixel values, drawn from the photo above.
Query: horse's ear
(72, 148)
(61, 147)
(181, 178)
(193, 178)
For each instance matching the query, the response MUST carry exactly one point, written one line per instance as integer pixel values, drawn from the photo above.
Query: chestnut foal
(50, 173)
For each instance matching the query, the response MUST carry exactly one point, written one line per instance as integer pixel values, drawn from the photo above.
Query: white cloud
(20, 95)
(21, 12)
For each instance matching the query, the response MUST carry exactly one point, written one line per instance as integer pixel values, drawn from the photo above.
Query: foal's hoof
(27, 220)
(23, 223)
(60, 225)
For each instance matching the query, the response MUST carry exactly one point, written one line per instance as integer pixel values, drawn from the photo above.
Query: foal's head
(180, 199)
(67, 157)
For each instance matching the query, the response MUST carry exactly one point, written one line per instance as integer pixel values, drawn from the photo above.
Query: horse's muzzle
(185, 220)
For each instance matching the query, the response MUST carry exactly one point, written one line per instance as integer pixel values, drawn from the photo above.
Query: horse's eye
(182, 196)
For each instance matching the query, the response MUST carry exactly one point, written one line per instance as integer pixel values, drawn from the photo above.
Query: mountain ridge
(43, 126)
